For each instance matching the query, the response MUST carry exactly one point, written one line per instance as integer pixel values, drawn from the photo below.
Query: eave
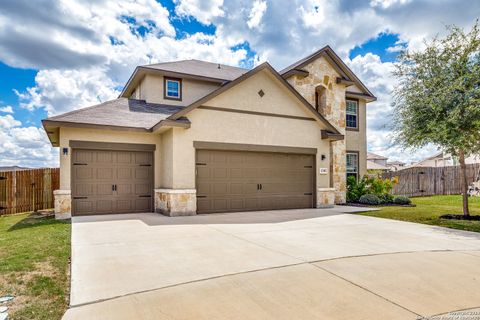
(52, 127)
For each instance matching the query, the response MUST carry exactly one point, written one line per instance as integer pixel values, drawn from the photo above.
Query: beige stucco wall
(151, 90)
(67, 134)
(357, 140)
(228, 127)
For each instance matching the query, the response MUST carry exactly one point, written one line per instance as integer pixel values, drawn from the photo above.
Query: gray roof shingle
(120, 112)
(200, 68)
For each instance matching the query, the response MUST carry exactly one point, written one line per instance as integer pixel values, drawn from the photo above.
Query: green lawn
(34, 266)
(429, 209)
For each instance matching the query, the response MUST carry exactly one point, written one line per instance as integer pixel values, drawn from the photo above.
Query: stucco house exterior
(191, 136)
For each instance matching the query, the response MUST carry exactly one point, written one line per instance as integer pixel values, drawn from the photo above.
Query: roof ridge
(199, 60)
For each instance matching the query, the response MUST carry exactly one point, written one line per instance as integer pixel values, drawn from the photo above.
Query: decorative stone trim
(63, 204)
(325, 197)
(176, 202)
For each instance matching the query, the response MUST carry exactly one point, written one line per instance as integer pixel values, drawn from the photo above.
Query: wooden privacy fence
(27, 190)
(428, 181)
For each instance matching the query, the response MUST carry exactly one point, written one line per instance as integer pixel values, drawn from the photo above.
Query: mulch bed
(460, 217)
(356, 204)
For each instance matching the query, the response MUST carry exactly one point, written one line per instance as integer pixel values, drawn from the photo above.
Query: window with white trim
(352, 164)
(173, 88)
(352, 114)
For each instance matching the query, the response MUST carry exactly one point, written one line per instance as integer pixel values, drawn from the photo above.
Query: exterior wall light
(65, 151)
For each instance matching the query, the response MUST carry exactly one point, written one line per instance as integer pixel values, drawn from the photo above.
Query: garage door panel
(124, 173)
(103, 189)
(82, 172)
(84, 206)
(97, 171)
(220, 173)
(104, 206)
(142, 204)
(104, 173)
(84, 189)
(233, 181)
(103, 157)
(142, 173)
(142, 189)
(83, 156)
(203, 188)
(125, 157)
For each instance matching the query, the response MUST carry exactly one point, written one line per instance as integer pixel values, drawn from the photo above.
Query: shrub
(355, 188)
(386, 198)
(370, 199)
(402, 200)
(379, 186)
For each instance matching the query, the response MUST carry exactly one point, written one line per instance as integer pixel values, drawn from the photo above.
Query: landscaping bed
(34, 266)
(429, 210)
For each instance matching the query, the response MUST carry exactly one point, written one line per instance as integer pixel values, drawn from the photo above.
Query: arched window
(320, 98)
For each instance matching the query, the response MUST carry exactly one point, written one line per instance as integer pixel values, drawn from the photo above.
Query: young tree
(437, 100)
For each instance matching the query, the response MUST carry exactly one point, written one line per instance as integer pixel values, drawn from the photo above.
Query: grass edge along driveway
(34, 266)
(429, 209)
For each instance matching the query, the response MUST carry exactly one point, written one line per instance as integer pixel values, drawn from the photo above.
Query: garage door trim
(88, 145)
(114, 146)
(314, 169)
(204, 145)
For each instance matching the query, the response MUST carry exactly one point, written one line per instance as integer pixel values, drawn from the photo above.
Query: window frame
(165, 88)
(357, 154)
(357, 127)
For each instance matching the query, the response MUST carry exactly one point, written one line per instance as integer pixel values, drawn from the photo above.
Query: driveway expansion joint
(367, 290)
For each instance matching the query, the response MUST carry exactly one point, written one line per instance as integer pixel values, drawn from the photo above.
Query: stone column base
(340, 197)
(63, 204)
(325, 197)
(176, 202)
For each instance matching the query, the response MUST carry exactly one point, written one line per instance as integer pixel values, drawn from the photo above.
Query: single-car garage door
(105, 181)
(241, 180)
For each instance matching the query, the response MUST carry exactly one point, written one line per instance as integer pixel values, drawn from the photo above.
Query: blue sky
(86, 60)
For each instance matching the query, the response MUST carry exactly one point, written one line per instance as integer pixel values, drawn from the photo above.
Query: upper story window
(172, 88)
(352, 114)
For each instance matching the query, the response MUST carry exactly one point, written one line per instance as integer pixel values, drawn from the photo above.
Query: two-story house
(190, 137)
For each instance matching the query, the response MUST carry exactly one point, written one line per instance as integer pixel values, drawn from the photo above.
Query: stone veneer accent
(176, 202)
(63, 204)
(321, 73)
(325, 197)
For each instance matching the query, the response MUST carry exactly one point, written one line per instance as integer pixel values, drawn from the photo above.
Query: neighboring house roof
(373, 156)
(195, 69)
(13, 168)
(347, 74)
(375, 166)
(267, 66)
(395, 163)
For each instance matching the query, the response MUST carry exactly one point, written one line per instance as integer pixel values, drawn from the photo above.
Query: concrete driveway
(295, 264)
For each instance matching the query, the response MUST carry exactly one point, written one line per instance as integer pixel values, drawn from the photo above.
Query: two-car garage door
(242, 180)
(105, 181)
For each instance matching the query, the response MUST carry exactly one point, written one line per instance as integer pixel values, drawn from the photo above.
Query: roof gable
(346, 73)
(264, 66)
(189, 69)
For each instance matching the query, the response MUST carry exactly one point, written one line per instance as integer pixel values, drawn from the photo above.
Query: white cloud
(59, 91)
(258, 10)
(388, 3)
(91, 48)
(377, 76)
(8, 122)
(203, 10)
(6, 109)
(25, 146)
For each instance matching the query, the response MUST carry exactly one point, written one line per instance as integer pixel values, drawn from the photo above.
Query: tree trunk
(463, 173)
